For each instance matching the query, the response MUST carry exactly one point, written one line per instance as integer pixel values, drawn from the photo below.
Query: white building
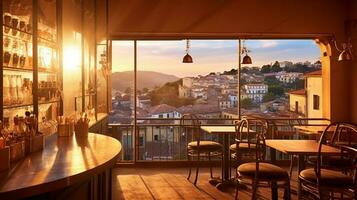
(163, 111)
(286, 77)
(199, 92)
(256, 91)
(233, 99)
(224, 102)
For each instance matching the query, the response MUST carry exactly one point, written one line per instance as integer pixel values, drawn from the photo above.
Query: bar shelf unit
(30, 73)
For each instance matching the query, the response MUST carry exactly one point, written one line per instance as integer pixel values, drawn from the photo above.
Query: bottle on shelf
(13, 92)
(14, 52)
(19, 88)
(7, 54)
(7, 22)
(6, 90)
(22, 51)
(14, 25)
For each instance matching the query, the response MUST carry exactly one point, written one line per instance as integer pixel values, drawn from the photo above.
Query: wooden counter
(63, 163)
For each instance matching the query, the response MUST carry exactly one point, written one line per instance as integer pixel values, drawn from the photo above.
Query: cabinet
(30, 75)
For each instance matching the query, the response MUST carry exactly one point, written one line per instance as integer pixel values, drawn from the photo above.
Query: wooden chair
(322, 182)
(197, 148)
(245, 141)
(261, 173)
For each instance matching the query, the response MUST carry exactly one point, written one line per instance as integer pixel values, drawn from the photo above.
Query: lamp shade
(345, 55)
(247, 60)
(187, 59)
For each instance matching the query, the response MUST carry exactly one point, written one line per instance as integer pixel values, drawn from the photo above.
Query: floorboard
(172, 183)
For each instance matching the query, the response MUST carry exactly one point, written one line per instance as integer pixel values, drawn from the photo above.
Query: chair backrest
(252, 133)
(342, 137)
(190, 126)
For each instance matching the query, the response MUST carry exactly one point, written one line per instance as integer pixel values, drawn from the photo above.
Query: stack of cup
(82, 126)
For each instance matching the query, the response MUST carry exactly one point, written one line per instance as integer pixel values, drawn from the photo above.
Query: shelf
(26, 105)
(51, 42)
(54, 43)
(49, 102)
(27, 70)
(18, 38)
(17, 69)
(17, 29)
(17, 106)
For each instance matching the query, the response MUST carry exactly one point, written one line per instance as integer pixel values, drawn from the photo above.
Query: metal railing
(159, 139)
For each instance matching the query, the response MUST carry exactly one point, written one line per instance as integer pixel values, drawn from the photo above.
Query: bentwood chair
(260, 173)
(197, 148)
(322, 182)
(245, 142)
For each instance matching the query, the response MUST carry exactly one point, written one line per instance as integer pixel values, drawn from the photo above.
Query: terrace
(102, 57)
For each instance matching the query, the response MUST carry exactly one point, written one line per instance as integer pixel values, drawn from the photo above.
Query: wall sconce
(187, 58)
(346, 53)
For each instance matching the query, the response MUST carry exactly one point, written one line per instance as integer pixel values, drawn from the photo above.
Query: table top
(305, 147)
(310, 129)
(222, 129)
(63, 162)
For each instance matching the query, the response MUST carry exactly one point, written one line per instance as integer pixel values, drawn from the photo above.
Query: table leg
(272, 155)
(274, 188)
(274, 191)
(301, 166)
(226, 182)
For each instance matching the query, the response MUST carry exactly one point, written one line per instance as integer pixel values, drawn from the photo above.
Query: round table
(64, 162)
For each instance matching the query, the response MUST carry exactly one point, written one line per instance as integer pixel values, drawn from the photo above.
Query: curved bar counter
(67, 168)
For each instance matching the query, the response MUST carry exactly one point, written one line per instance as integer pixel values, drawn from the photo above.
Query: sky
(165, 56)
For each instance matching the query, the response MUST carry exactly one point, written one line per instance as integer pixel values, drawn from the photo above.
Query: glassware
(6, 88)
(13, 92)
(27, 90)
(29, 55)
(14, 25)
(7, 54)
(20, 95)
(28, 28)
(22, 27)
(15, 55)
(22, 50)
(7, 22)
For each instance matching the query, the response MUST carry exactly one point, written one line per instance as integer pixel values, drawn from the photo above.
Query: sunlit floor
(171, 183)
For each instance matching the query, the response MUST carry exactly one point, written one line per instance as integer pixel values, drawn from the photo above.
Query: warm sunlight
(71, 57)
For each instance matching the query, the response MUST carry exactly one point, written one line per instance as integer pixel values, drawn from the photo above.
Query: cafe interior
(57, 140)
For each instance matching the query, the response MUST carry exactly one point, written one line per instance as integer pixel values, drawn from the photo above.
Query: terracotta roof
(199, 109)
(298, 92)
(162, 108)
(314, 73)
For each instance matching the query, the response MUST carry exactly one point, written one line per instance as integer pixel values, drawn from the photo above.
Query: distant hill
(146, 79)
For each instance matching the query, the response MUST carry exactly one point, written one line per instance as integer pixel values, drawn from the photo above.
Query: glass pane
(167, 88)
(49, 81)
(72, 62)
(122, 116)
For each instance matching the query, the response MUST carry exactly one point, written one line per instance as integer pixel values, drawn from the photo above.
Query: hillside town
(277, 90)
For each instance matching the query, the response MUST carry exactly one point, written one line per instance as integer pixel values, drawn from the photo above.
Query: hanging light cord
(187, 46)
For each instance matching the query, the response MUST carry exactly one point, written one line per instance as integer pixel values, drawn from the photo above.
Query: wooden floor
(171, 183)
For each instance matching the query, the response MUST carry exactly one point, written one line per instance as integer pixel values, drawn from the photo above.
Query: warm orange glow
(71, 57)
(72, 52)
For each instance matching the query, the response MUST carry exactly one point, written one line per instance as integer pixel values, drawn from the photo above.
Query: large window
(152, 85)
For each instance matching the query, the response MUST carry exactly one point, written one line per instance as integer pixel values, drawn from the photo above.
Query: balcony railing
(163, 139)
